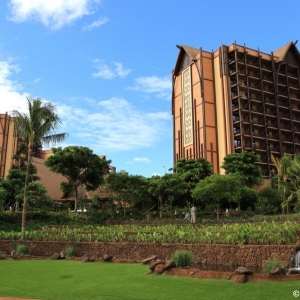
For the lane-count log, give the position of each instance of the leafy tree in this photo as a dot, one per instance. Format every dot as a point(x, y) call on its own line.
point(282, 166)
point(192, 171)
point(38, 199)
point(218, 189)
point(79, 166)
point(166, 188)
point(243, 163)
point(38, 125)
point(127, 188)
point(269, 200)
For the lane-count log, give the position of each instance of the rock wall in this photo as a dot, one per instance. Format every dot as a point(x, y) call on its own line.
point(245, 255)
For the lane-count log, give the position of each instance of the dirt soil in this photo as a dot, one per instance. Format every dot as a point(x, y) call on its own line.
point(196, 273)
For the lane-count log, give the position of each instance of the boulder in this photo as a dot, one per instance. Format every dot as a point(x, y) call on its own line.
point(169, 264)
point(240, 278)
point(153, 264)
point(159, 269)
point(107, 257)
point(62, 255)
point(14, 254)
point(147, 261)
point(292, 271)
point(55, 256)
point(277, 271)
point(242, 270)
point(85, 258)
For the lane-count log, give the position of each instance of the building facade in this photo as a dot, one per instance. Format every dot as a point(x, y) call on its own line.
point(236, 99)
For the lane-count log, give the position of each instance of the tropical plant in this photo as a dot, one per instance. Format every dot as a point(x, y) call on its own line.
point(269, 264)
point(182, 258)
point(70, 251)
point(38, 125)
point(22, 249)
point(282, 166)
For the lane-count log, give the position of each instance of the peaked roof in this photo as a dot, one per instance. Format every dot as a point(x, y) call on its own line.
point(282, 52)
point(186, 55)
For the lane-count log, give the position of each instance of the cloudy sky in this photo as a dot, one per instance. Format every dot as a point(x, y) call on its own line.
point(106, 64)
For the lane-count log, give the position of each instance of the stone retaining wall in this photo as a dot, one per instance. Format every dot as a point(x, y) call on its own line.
point(243, 255)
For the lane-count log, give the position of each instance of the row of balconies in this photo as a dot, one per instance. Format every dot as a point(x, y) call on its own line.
point(254, 63)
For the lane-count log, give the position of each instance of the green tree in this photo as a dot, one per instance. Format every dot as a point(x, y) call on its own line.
point(192, 171)
point(80, 166)
point(127, 188)
point(244, 164)
point(166, 188)
point(269, 200)
point(38, 125)
point(218, 189)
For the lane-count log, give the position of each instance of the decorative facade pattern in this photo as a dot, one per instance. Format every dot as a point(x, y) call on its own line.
point(187, 107)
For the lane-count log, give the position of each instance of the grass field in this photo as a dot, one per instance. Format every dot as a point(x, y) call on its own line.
point(48, 279)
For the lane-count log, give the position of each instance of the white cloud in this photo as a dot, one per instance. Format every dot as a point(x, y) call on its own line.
point(110, 72)
point(112, 125)
point(160, 86)
point(10, 91)
point(96, 24)
point(52, 13)
point(140, 160)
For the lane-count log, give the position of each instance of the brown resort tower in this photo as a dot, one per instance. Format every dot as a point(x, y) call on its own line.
point(236, 99)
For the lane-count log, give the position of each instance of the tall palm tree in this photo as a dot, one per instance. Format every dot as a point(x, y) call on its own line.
point(282, 165)
point(38, 125)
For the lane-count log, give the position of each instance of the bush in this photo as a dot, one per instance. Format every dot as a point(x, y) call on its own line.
point(182, 258)
point(22, 249)
point(270, 264)
point(70, 251)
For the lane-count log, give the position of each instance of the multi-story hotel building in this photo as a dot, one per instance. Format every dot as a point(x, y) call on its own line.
point(236, 99)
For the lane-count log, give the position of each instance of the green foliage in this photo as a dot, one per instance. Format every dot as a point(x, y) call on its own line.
point(127, 189)
point(182, 258)
point(70, 251)
point(243, 163)
point(269, 201)
point(166, 188)
point(191, 171)
point(217, 189)
point(270, 264)
point(79, 166)
point(22, 249)
point(36, 126)
point(263, 206)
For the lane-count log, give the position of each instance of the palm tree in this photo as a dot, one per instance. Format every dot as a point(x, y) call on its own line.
point(282, 165)
point(36, 126)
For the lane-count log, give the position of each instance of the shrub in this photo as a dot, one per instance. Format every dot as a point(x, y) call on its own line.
point(2, 256)
point(22, 249)
point(182, 258)
point(70, 251)
point(270, 264)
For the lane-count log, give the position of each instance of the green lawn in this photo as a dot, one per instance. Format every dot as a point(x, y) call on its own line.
point(49, 279)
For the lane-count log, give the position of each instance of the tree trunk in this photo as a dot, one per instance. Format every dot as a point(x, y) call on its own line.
point(24, 211)
point(218, 212)
point(76, 199)
point(160, 208)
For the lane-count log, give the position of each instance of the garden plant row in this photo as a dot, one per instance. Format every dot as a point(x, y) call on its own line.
point(263, 233)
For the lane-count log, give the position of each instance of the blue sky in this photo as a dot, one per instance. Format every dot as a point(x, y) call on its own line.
point(107, 65)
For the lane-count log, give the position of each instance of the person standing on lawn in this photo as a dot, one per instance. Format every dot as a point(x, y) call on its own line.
point(193, 215)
